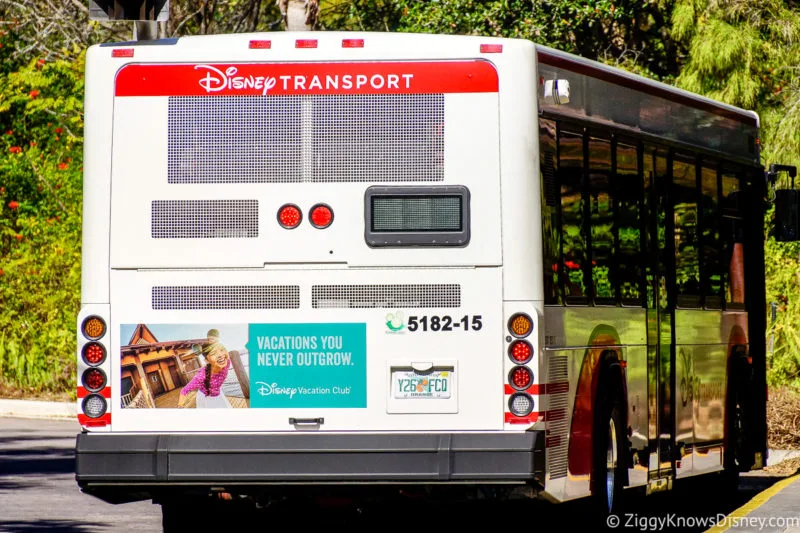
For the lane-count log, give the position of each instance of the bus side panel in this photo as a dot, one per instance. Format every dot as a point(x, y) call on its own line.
point(576, 338)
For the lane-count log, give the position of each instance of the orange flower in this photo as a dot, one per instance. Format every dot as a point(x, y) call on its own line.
point(59, 130)
point(18, 237)
point(13, 204)
point(40, 63)
point(34, 93)
point(15, 149)
point(9, 132)
point(63, 166)
point(33, 143)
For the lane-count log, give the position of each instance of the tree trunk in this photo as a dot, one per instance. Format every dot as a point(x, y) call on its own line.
point(299, 15)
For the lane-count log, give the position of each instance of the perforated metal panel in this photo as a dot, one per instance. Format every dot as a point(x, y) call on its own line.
point(388, 296)
point(204, 219)
point(323, 138)
point(226, 297)
point(557, 423)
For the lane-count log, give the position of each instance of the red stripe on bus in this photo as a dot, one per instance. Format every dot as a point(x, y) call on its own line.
point(278, 79)
point(83, 392)
point(545, 388)
point(529, 419)
point(104, 420)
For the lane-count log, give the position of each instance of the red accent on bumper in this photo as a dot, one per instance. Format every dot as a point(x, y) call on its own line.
point(104, 420)
point(545, 388)
point(530, 419)
point(105, 393)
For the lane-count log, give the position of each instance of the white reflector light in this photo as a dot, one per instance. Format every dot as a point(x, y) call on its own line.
point(520, 404)
point(94, 406)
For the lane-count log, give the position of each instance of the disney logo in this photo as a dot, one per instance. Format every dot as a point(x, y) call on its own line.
point(216, 80)
point(270, 389)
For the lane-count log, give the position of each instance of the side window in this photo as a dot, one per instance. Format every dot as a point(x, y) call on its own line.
point(551, 234)
point(601, 222)
point(732, 241)
point(570, 178)
point(710, 234)
point(685, 218)
point(628, 192)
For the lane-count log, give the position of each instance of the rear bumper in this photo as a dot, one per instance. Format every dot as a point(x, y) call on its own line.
point(117, 460)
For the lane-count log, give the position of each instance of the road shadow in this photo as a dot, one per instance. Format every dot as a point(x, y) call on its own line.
point(58, 526)
point(37, 461)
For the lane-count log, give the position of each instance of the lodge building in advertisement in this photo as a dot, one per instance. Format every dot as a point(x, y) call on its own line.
point(154, 371)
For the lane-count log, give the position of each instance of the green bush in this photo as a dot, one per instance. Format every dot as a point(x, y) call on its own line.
point(40, 222)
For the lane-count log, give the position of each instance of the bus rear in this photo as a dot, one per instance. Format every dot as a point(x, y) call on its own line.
point(293, 264)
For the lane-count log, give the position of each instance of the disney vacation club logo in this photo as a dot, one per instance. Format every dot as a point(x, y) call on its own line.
point(395, 322)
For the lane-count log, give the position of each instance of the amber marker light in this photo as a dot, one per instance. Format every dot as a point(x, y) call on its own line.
point(520, 325)
point(93, 327)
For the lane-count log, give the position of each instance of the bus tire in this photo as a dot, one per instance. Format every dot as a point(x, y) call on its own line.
point(193, 513)
point(609, 443)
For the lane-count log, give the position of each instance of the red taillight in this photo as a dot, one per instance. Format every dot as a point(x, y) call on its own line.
point(521, 377)
point(289, 216)
point(94, 353)
point(260, 45)
point(94, 379)
point(321, 216)
point(520, 352)
point(305, 43)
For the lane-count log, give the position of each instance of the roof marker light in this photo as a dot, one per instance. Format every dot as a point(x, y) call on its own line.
point(305, 43)
point(352, 43)
point(491, 48)
point(122, 52)
point(260, 45)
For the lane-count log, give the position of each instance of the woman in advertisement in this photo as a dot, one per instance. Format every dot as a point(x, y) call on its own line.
point(208, 381)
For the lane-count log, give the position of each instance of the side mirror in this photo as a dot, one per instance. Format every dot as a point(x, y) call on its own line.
point(787, 204)
point(787, 216)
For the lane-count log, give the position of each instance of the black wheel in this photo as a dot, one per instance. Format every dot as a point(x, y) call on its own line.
point(609, 469)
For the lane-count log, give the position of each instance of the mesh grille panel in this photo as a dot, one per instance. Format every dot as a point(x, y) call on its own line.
point(557, 423)
point(204, 219)
point(287, 139)
point(356, 296)
point(227, 297)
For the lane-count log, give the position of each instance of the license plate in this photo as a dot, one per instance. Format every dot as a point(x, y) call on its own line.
point(430, 385)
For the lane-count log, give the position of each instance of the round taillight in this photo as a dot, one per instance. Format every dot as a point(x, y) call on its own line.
point(93, 327)
point(94, 406)
point(520, 352)
point(321, 216)
point(520, 325)
point(520, 404)
point(94, 379)
point(289, 216)
point(94, 353)
point(520, 377)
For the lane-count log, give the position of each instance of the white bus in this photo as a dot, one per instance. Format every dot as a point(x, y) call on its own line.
point(401, 260)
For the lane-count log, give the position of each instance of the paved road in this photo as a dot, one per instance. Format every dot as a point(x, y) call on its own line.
point(38, 492)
